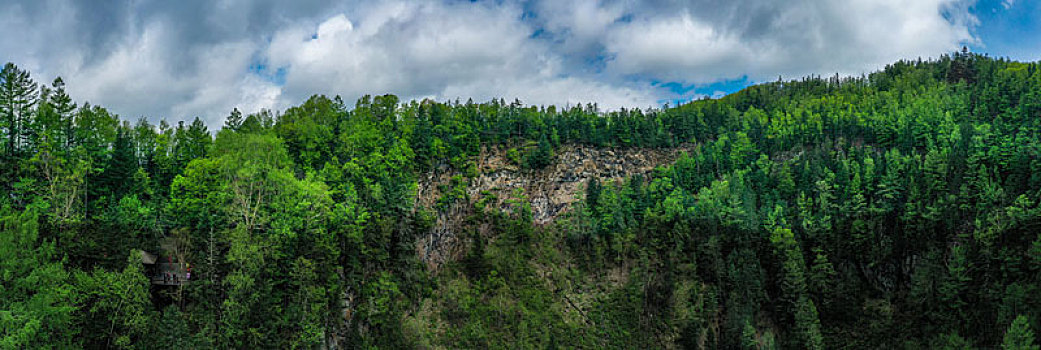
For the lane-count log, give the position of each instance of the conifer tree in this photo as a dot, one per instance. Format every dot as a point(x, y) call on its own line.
point(1019, 335)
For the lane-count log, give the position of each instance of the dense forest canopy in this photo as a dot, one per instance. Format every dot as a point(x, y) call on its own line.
point(898, 209)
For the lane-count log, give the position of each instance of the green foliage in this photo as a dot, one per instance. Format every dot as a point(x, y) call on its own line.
point(1019, 336)
point(120, 311)
point(896, 209)
point(37, 298)
point(951, 342)
point(542, 155)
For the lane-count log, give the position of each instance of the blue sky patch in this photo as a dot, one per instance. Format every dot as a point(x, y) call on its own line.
point(682, 93)
point(1009, 29)
point(275, 76)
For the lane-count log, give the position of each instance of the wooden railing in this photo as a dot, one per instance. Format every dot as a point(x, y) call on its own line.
point(170, 274)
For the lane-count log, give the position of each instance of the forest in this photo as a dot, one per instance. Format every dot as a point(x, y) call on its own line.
point(897, 209)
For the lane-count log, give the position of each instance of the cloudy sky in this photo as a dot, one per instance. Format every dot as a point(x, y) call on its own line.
point(187, 58)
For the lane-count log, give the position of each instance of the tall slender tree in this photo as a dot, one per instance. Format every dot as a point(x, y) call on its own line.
point(18, 95)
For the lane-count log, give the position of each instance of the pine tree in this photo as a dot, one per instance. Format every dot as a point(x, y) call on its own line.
point(18, 94)
point(543, 155)
point(593, 190)
point(807, 322)
point(192, 141)
point(1019, 336)
point(61, 109)
point(953, 288)
point(234, 121)
point(748, 336)
point(120, 167)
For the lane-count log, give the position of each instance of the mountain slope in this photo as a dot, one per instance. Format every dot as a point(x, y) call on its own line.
point(898, 209)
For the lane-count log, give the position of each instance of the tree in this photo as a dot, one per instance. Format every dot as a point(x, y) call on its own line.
point(962, 67)
point(593, 189)
point(542, 155)
point(234, 121)
point(748, 337)
point(37, 301)
point(18, 94)
point(63, 107)
point(173, 331)
point(255, 168)
point(309, 131)
point(914, 189)
point(95, 130)
point(120, 167)
point(55, 115)
point(192, 142)
point(807, 323)
point(276, 221)
point(63, 186)
point(954, 288)
point(1019, 335)
point(117, 310)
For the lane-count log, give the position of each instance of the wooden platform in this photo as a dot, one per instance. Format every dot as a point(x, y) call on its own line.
point(169, 274)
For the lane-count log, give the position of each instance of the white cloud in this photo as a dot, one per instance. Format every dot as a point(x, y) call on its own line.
point(443, 51)
point(798, 38)
point(679, 49)
point(137, 79)
point(579, 25)
point(194, 59)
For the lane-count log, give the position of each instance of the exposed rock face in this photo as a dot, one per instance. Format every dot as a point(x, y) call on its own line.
point(550, 190)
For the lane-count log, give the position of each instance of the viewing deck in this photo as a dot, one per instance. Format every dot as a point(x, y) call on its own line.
point(165, 273)
point(170, 274)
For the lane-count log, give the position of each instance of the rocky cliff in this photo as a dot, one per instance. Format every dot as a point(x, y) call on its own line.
point(551, 190)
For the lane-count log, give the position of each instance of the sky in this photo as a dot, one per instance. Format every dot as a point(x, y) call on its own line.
point(178, 60)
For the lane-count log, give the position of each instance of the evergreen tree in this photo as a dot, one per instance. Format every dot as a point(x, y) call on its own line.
point(18, 95)
point(542, 155)
point(115, 180)
point(234, 120)
point(1019, 335)
point(63, 108)
point(914, 189)
point(807, 322)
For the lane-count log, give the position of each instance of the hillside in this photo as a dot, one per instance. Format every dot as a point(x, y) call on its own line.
point(898, 209)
